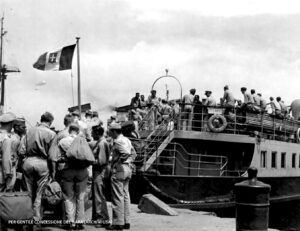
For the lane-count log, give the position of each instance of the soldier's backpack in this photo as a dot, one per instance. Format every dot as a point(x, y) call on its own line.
point(80, 154)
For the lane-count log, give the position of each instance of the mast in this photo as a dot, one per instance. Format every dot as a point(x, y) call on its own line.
point(78, 75)
point(2, 69)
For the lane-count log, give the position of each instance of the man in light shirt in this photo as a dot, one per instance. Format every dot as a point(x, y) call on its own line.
point(248, 99)
point(210, 101)
point(187, 104)
point(228, 99)
point(123, 155)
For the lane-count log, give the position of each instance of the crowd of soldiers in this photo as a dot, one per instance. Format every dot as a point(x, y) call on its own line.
point(154, 107)
point(253, 102)
point(37, 155)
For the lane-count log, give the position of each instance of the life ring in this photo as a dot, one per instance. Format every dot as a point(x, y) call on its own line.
point(298, 135)
point(217, 123)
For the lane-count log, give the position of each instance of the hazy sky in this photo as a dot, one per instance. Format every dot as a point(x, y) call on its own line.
point(126, 45)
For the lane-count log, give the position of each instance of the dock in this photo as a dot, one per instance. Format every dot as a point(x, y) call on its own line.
point(186, 220)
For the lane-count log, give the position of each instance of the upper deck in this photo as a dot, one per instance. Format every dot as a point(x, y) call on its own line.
point(211, 120)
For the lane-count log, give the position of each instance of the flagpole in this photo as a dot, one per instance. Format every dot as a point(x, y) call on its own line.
point(78, 75)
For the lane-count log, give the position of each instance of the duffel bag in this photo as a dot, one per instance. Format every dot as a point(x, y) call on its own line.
point(15, 206)
point(80, 151)
point(52, 193)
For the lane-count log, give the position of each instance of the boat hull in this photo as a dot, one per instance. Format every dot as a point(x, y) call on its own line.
point(219, 191)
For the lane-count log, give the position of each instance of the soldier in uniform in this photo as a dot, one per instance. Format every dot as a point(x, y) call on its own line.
point(123, 155)
point(8, 164)
point(35, 147)
point(19, 131)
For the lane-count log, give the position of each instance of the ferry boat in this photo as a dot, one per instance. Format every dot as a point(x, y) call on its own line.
point(195, 162)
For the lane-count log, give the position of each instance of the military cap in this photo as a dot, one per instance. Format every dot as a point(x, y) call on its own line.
point(19, 121)
point(243, 89)
point(115, 126)
point(7, 117)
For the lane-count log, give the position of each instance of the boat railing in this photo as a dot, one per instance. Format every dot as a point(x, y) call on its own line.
point(235, 121)
point(176, 160)
point(238, 121)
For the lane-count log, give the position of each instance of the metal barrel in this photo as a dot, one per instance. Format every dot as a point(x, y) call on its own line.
point(252, 203)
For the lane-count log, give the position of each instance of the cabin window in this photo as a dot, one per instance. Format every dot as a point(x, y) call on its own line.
point(283, 154)
point(263, 162)
point(294, 160)
point(274, 160)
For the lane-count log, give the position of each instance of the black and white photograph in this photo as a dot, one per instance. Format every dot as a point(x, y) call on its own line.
point(161, 115)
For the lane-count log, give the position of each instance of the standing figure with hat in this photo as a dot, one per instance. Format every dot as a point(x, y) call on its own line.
point(187, 106)
point(123, 155)
point(153, 104)
point(35, 147)
point(19, 131)
point(101, 152)
point(8, 163)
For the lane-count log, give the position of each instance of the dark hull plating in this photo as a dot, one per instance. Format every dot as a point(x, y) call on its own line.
point(172, 189)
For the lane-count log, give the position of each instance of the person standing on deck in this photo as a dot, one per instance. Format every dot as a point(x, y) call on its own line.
point(248, 99)
point(187, 112)
point(153, 102)
point(7, 167)
point(35, 147)
point(256, 101)
point(210, 101)
point(143, 101)
point(283, 107)
point(136, 101)
point(262, 102)
point(228, 100)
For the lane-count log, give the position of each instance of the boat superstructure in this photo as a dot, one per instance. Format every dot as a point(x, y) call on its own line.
point(198, 160)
